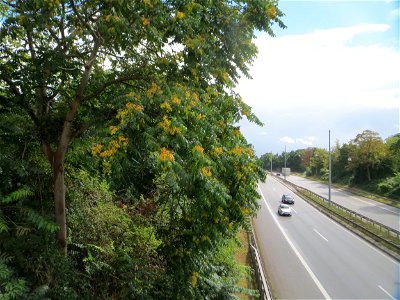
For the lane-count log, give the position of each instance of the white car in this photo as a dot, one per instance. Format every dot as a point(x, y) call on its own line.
point(284, 210)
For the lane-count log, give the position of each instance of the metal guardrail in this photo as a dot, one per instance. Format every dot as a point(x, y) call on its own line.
point(262, 282)
point(382, 227)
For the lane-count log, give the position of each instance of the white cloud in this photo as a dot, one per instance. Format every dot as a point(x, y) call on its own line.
point(304, 142)
point(322, 68)
point(287, 139)
point(263, 133)
point(395, 12)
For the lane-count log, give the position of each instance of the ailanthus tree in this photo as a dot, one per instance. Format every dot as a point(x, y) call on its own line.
point(67, 65)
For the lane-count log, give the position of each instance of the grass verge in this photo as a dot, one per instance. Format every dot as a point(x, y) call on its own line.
point(243, 258)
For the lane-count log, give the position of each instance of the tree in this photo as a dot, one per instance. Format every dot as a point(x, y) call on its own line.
point(319, 162)
point(266, 160)
point(294, 161)
point(67, 66)
point(306, 158)
point(393, 143)
point(366, 152)
point(340, 161)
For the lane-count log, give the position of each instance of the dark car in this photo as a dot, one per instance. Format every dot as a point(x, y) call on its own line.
point(287, 199)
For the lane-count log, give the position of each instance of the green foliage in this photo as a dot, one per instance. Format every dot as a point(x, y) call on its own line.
point(17, 195)
point(367, 162)
point(169, 178)
point(366, 151)
point(390, 187)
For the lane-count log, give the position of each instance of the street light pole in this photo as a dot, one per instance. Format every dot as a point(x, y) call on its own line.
point(284, 173)
point(330, 167)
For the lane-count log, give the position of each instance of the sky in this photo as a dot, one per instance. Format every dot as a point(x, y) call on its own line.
point(336, 67)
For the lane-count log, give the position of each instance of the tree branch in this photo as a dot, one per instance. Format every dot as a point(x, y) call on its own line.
point(100, 89)
point(20, 98)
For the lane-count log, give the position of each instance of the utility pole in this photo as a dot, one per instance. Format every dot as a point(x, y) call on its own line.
point(284, 174)
point(330, 167)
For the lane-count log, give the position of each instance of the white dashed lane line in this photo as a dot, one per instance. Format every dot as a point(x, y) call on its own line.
point(317, 232)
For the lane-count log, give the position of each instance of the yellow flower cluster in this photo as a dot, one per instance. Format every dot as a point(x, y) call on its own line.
point(245, 211)
point(145, 21)
point(271, 12)
point(180, 15)
point(122, 139)
point(166, 124)
point(154, 89)
point(114, 146)
point(199, 148)
point(239, 151)
point(199, 116)
point(218, 150)
point(112, 149)
point(237, 132)
point(96, 149)
point(166, 155)
point(206, 171)
point(195, 276)
point(113, 129)
point(176, 100)
point(129, 107)
point(133, 106)
point(165, 105)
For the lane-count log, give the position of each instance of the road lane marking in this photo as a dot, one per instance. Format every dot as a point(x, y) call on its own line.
point(348, 231)
point(321, 235)
point(294, 210)
point(310, 272)
point(372, 204)
point(386, 292)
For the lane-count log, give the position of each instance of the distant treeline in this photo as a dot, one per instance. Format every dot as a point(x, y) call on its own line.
point(367, 161)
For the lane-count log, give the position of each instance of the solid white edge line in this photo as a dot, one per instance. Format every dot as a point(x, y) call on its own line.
point(386, 292)
point(351, 233)
point(317, 232)
point(310, 272)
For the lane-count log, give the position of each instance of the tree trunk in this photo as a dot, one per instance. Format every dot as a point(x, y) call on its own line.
point(59, 201)
point(368, 174)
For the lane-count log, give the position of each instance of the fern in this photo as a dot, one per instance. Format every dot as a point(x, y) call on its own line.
point(13, 289)
point(17, 195)
point(3, 225)
point(5, 272)
point(39, 221)
point(5, 258)
point(21, 230)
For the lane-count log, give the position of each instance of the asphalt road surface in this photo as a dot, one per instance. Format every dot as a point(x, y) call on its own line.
point(309, 256)
point(385, 214)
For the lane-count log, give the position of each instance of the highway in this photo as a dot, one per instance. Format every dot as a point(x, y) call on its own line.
point(385, 214)
point(308, 256)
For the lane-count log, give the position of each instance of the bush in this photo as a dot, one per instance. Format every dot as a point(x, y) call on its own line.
point(390, 187)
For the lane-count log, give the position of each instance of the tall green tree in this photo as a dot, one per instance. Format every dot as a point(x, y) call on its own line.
point(66, 66)
point(393, 143)
point(366, 152)
point(319, 161)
